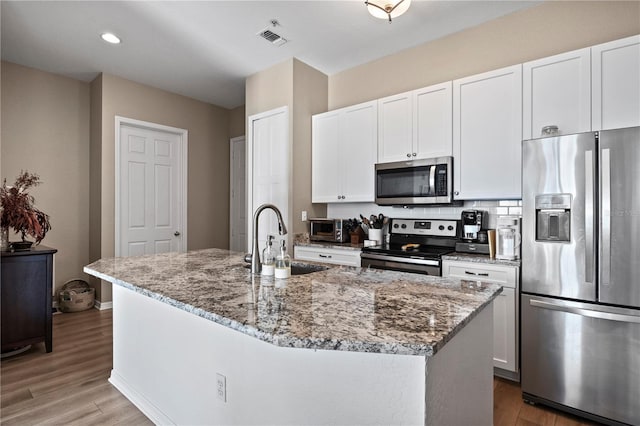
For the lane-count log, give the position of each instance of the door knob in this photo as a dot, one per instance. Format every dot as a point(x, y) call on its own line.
point(177, 233)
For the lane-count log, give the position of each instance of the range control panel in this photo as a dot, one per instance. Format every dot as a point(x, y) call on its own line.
point(428, 227)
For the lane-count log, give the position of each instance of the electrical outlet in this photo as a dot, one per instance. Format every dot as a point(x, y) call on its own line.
point(221, 387)
point(304, 215)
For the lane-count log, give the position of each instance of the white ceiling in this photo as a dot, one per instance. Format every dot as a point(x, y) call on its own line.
point(206, 49)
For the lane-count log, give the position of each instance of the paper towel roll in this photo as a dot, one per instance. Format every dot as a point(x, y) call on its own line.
point(491, 233)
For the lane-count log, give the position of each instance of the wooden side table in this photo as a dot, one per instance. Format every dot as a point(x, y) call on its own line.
point(25, 296)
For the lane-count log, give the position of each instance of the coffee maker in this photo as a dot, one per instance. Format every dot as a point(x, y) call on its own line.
point(474, 232)
point(473, 221)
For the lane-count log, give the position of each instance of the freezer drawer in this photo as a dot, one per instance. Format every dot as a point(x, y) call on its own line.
point(582, 356)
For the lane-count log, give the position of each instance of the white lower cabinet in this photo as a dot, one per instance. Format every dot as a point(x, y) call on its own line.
point(336, 256)
point(505, 309)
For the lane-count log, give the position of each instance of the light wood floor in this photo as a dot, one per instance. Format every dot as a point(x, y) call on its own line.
point(69, 385)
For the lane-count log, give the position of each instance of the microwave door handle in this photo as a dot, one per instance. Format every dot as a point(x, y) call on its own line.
point(432, 180)
point(606, 218)
point(588, 216)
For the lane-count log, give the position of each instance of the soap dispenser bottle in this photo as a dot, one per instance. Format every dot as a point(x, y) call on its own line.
point(283, 263)
point(268, 258)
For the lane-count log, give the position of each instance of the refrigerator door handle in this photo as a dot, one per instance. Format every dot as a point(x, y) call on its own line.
point(605, 217)
point(588, 216)
point(559, 306)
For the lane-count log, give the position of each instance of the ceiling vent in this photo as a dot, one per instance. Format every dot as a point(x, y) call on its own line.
point(270, 35)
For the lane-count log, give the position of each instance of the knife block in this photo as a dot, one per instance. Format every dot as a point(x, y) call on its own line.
point(357, 236)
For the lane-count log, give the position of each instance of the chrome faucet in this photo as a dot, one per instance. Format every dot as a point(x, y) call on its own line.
point(256, 266)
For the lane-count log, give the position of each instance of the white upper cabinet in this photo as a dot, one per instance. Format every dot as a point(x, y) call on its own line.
point(324, 157)
point(487, 135)
point(616, 84)
point(415, 125)
point(344, 153)
point(395, 128)
point(557, 91)
point(433, 121)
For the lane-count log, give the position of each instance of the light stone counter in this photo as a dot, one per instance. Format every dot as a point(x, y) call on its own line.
point(198, 340)
point(341, 308)
point(322, 244)
point(479, 258)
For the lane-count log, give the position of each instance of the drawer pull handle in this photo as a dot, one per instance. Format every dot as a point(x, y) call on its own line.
point(481, 274)
point(326, 256)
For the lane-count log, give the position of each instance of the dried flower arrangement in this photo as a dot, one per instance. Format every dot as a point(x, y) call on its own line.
point(18, 210)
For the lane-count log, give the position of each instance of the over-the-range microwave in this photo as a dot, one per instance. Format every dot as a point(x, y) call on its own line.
point(415, 182)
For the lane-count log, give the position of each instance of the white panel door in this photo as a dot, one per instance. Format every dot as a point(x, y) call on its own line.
point(150, 192)
point(432, 121)
point(238, 193)
point(616, 84)
point(487, 135)
point(269, 164)
point(557, 91)
point(395, 129)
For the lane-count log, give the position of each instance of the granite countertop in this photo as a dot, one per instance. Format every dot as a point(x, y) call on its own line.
point(479, 258)
point(340, 308)
point(340, 246)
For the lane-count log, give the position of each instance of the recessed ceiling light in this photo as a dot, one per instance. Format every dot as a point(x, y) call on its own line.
point(110, 38)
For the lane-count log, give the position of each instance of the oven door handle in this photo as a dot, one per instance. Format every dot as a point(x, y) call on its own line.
point(412, 260)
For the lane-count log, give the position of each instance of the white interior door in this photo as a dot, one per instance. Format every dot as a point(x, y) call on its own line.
point(238, 193)
point(150, 189)
point(268, 167)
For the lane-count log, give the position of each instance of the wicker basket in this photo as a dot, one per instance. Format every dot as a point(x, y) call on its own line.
point(75, 296)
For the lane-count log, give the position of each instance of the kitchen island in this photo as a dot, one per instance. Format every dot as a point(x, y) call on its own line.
point(198, 339)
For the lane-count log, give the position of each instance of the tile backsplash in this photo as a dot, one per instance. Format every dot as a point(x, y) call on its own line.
point(495, 208)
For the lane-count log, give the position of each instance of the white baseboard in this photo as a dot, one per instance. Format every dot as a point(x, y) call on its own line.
point(137, 399)
point(102, 306)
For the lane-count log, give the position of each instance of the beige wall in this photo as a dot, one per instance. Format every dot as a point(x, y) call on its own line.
point(45, 130)
point(208, 158)
point(309, 97)
point(303, 90)
point(269, 89)
point(550, 28)
point(237, 122)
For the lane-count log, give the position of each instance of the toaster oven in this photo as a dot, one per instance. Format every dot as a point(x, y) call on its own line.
point(328, 230)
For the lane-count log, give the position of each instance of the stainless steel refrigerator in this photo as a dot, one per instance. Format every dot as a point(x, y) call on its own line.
point(580, 301)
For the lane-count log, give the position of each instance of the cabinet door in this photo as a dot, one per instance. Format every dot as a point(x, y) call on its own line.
point(324, 157)
point(487, 135)
point(616, 84)
point(557, 91)
point(505, 307)
point(432, 121)
point(395, 128)
point(357, 152)
point(504, 330)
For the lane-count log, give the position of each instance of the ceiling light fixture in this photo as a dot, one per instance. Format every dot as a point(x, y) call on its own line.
point(387, 9)
point(110, 38)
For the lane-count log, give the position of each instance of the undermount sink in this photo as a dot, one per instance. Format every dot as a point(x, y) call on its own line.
point(299, 268)
point(305, 268)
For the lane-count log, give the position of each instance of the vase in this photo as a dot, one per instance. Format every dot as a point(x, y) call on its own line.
point(4, 239)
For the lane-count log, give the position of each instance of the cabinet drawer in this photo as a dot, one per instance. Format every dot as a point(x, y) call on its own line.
point(328, 255)
point(507, 276)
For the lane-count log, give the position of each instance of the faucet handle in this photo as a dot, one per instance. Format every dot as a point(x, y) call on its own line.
point(248, 257)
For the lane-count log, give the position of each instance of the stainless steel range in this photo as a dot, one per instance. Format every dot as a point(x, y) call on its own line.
point(415, 245)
